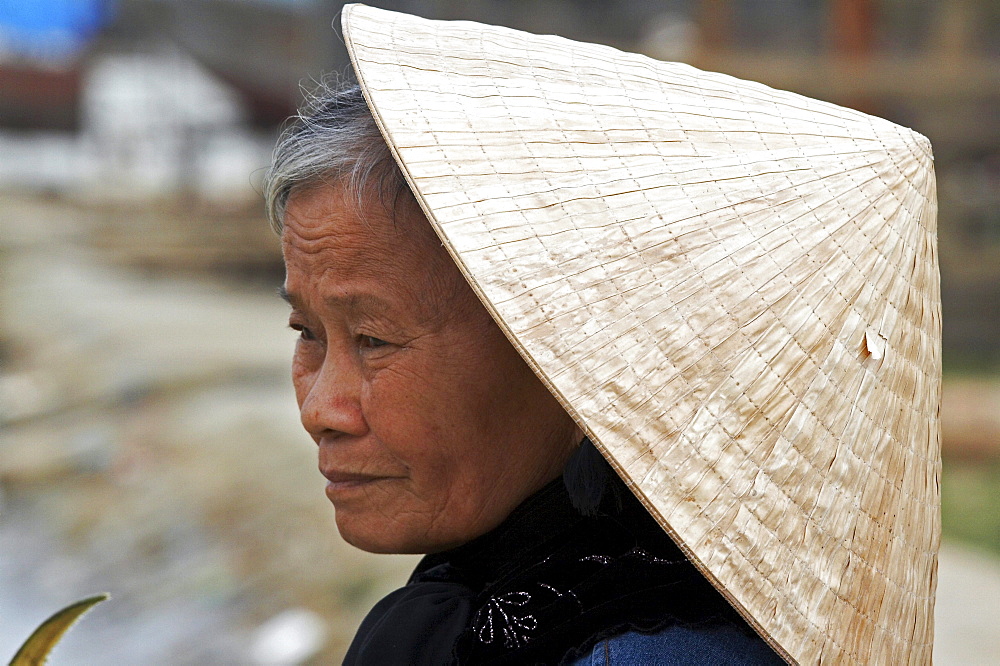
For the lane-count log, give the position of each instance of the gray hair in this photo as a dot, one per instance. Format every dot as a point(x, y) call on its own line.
point(333, 139)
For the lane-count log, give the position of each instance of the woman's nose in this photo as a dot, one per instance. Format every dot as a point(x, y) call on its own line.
point(329, 400)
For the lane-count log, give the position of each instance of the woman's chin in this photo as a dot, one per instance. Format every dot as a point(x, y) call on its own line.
point(373, 535)
point(371, 532)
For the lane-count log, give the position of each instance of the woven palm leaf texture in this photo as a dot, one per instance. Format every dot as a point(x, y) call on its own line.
point(733, 289)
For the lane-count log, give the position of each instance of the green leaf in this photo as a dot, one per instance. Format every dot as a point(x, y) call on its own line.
point(36, 649)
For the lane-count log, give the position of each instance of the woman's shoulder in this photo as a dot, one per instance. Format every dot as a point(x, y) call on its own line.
point(682, 645)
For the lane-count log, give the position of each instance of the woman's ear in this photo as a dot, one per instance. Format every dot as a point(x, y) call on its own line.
point(586, 476)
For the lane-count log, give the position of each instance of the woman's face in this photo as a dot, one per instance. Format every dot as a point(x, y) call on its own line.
point(430, 426)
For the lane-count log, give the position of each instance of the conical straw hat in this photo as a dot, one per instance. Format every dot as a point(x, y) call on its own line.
point(734, 290)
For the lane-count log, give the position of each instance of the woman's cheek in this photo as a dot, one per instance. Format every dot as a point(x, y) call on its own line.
point(306, 364)
point(301, 381)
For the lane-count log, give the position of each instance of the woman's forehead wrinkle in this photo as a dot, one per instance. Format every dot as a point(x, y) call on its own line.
point(307, 225)
point(373, 264)
point(335, 250)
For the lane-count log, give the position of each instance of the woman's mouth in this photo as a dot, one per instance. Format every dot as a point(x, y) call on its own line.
point(341, 483)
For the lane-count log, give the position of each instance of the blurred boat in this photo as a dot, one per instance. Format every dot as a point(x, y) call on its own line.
point(269, 50)
point(265, 49)
point(33, 97)
point(42, 45)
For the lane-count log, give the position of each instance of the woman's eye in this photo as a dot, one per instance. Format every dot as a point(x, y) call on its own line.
point(372, 342)
point(304, 333)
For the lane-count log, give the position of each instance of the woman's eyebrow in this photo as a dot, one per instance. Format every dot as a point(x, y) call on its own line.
point(353, 302)
point(286, 297)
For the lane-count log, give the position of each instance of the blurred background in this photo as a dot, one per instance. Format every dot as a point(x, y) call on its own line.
point(149, 443)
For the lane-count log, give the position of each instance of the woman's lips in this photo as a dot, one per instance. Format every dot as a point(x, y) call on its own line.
point(339, 483)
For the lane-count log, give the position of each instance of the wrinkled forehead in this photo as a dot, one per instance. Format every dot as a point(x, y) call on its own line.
point(334, 214)
point(329, 237)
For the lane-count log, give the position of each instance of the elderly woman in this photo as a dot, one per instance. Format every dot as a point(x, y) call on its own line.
point(643, 358)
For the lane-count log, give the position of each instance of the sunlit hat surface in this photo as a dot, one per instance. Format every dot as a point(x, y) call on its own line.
point(733, 289)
